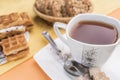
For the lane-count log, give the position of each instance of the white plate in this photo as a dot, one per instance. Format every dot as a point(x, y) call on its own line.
point(51, 65)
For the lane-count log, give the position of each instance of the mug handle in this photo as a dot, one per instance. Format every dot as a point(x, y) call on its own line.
point(58, 25)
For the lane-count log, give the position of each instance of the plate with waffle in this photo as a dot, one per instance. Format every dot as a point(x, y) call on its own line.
point(14, 36)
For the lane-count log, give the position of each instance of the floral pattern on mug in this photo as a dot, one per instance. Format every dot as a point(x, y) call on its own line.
point(89, 57)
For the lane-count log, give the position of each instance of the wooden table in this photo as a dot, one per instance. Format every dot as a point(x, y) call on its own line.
point(27, 68)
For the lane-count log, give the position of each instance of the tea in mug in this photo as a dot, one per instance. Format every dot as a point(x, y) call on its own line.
point(94, 32)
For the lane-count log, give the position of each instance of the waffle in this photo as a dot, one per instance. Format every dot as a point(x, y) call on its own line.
point(94, 74)
point(14, 45)
point(26, 21)
point(14, 19)
point(97, 74)
point(14, 23)
point(19, 55)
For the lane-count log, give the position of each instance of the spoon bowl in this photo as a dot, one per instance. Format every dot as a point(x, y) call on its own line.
point(74, 68)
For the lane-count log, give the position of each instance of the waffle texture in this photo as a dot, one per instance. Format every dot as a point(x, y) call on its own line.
point(14, 47)
point(14, 23)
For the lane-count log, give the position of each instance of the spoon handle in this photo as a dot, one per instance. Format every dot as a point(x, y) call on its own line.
point(50, 40)
point(62, 56)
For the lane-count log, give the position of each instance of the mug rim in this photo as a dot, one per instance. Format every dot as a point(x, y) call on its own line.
point(89, 44)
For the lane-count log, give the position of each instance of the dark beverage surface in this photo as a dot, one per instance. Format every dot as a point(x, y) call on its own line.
point(94, 32)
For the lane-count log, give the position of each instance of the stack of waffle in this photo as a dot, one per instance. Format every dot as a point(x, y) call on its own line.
point(13, 44)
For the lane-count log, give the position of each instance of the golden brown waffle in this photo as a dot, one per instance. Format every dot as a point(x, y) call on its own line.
point(14, 44)
point(15, 19)
point(97, 74)
point(14, 23)
point(19, 55)
point(26, 21)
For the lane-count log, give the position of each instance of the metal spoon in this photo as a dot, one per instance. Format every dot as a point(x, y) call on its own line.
point(71, 66)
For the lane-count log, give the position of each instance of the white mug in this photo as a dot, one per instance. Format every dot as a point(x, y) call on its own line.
point(91, 55)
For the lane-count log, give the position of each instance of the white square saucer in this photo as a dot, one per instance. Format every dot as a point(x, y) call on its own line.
point(52, 66)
